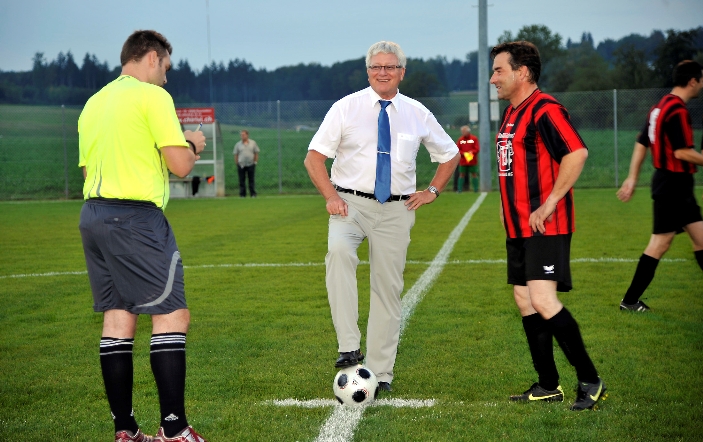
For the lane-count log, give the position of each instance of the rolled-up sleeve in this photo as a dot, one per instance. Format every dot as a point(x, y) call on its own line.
point(440, 145)
point(328, 136)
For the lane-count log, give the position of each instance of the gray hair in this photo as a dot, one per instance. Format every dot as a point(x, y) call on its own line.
point(386, 47)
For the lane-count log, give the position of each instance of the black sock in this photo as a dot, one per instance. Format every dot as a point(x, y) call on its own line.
point(118, 376)
point(566, 331)
point(699, 258)
point(643, 276)
point(539, 338)
point(168, 362)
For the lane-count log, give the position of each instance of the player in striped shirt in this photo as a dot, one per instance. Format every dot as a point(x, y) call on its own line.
point(540, 157)
point(668, 133)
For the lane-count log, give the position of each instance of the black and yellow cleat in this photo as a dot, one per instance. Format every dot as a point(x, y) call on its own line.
point(537, 393)
point(588, 395)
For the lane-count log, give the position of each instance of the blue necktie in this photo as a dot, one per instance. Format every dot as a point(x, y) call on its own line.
point(382, 190)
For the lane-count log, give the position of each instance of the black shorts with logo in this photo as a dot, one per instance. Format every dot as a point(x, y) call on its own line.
point(132, 257)
point(540, 258)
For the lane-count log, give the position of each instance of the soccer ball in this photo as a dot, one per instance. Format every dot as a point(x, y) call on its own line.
point(355, 386)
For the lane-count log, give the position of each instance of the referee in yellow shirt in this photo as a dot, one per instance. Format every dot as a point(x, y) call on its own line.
point(129, 139)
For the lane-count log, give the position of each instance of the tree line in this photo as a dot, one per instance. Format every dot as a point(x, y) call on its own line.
point(632, 62)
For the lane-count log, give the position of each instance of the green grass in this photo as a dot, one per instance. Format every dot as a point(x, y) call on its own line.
point(32, 162)
point(261, 333)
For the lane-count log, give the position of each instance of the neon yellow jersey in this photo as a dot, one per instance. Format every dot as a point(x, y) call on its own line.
point(121, 129)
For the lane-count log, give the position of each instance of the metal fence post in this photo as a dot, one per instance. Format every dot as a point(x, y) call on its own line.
point(484, 123)
point(280, 159)
point(65, 154)
point(615, 135)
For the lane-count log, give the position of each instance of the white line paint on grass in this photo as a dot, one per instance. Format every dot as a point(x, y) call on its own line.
point(405, 403)
point(320, 264)
point(312, 403)
point(418, 290)
point(320, 403)
point(37, 275)
point(340, 426)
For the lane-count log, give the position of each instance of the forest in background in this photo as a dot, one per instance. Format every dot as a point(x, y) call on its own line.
point(632, 62)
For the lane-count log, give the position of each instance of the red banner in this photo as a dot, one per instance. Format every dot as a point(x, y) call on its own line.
point(196, 115)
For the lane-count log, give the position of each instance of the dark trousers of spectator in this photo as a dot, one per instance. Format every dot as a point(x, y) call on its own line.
point(246, 172)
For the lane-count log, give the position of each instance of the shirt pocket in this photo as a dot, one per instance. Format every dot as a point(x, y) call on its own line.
point(406, 148)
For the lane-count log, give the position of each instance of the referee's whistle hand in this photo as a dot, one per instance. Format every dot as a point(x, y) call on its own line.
point(197, 138)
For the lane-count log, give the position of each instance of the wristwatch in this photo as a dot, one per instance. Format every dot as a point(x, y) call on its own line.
point(434, 190)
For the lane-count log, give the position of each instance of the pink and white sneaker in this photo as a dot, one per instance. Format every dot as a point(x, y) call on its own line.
point(123, 436)
point(187, 435)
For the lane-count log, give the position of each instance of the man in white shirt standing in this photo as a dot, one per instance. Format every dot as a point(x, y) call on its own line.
point(246, 155)
point(374, 136)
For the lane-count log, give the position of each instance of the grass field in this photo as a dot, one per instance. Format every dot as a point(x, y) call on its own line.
point(32, 156)
point(262, 332)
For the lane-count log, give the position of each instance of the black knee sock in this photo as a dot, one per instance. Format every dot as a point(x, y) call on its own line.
point(168, 363)
point(539, 338)
point(699, 258)
point(118, 376)
point(643, 276)
point(566, 331)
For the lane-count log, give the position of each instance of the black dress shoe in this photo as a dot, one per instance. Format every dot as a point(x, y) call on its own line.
point(384, 386)
point(349, 359)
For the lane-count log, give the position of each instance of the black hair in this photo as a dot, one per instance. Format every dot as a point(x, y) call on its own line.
point(522, 53)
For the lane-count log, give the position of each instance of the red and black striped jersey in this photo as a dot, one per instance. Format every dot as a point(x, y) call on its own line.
point(532, 140)
point(668, 128)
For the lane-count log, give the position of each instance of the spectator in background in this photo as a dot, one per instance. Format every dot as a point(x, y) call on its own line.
point(246, 155)
point(468, 160)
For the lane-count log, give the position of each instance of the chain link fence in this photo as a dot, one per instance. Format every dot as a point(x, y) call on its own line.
point(39, 144)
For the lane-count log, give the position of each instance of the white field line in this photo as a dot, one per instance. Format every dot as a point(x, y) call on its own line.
point(320, 264)
point(340, 426)
point(319, 403)
point(418, 290)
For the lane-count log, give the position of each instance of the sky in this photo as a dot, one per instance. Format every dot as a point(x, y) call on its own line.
point(273, 33)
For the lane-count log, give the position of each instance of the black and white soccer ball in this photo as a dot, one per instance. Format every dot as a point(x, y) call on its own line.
point(355, 385)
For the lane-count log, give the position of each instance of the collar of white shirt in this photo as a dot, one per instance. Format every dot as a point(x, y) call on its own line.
point(374, 98)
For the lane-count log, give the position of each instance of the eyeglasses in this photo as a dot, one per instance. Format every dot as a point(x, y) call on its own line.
point(387, 68)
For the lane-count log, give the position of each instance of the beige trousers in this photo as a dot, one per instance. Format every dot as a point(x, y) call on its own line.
point(387, 227)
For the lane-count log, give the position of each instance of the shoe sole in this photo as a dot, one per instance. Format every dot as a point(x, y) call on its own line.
point(624, 309)
point(348, 363)
point(634, 310)
point(549, 399)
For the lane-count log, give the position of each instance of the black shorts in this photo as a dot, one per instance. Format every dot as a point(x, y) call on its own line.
point(540, 258)
point(673, 214)
point(132, 257)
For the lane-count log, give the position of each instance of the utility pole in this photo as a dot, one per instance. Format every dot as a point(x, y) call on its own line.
point(484, 125)
point(209, 58)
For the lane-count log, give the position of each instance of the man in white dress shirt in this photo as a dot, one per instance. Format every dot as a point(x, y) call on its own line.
point(374, 136)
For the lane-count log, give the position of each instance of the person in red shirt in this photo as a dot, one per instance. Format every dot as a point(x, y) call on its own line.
point(540, 156)
point(468, 158)
point(668, 133)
